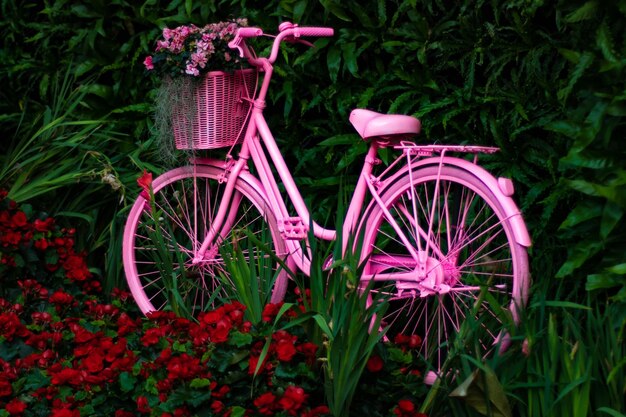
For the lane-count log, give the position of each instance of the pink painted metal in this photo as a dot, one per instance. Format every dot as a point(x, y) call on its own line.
point(371, 124)
point(438, 230)
point(214, 114)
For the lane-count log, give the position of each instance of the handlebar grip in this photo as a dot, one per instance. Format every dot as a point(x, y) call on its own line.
point(316, 31)
point(249, 32)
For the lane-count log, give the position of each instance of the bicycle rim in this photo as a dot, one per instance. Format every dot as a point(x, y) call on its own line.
point(158, 260)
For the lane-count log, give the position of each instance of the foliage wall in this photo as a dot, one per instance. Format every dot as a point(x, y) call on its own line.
point(543, 80)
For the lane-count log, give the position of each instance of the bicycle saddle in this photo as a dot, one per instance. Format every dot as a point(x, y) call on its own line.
point(371, 124)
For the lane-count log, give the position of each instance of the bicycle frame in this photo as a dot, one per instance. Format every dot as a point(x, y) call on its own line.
point(260, 145)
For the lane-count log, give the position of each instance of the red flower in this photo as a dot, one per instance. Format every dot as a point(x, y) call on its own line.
point(94, 363)
point(308, 349)
point(67, 376)
point(15, 407)
point(44, 225)
point(406, 408)
point(5, 388)
point(292, 400)
point(412, 341)
point(183, 367)
point(145, 181)
point(82, 335)
point(253, 363)
point(11, 326)
point(219, 334)
point(61, 298)
point(76, 268)
point(217, 407)
point(65, 412)
point(285, 350)
point(151, 336)
point(266, 404)
point(316, 412)
point(270, 311)
point(122, 413)
point(19, 219)
point(41, 244)
point(375, 364)
point(142, 405)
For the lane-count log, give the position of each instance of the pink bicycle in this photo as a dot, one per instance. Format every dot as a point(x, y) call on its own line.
point(440, 235)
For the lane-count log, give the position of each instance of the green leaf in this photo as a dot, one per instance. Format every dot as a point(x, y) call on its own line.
point(602, 281)
point(35, 380)
point(560, 304)
point(585, 62)
point(619, 269)
point(349, 58)
point(585, 12)
point(200, 383)
point(611, 217)
point(348, 139)
point(611, 412)
point(237, 411)
point(584, 211)
point(400, 356)
point(483, 392)
point(604, 40)
point(333, 61)
point(335, 9)
point(127, 381)
point(239, 339)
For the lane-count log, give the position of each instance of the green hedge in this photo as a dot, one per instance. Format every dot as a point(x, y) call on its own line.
point(543, 80)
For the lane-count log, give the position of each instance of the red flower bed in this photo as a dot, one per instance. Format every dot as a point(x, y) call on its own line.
point(65, 351)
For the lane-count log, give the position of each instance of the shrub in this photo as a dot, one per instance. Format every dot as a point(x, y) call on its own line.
point(64, 352)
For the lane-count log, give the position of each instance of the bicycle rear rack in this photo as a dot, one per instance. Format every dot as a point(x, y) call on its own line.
point(412, 148)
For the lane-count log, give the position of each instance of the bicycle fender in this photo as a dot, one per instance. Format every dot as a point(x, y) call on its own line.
point(520, 231)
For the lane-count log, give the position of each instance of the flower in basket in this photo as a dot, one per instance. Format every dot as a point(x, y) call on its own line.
point(193, 51)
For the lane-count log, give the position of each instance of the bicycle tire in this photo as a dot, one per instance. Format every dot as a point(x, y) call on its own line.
point(186, 199)
point(472, 251)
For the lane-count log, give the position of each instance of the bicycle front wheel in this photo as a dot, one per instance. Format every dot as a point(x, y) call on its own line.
point(446, 258)
point(162, 238)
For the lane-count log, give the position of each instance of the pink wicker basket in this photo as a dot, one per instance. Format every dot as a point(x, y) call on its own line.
point(215, 113)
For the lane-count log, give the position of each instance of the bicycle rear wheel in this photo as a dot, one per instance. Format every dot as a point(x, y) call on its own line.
point(158, 260)
point(475, 275)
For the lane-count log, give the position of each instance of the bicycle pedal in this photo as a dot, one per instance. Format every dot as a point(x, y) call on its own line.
point(293, 228)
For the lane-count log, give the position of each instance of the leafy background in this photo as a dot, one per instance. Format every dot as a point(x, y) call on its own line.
point(543, 80)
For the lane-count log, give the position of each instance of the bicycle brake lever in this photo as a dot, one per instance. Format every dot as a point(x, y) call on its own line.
point(235, 44)
point(293, 39)
point(307, 43)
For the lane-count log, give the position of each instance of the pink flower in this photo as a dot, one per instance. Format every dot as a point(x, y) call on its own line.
point(148, 63)
point(162, 45)
point(192, 70)
point(199, 59)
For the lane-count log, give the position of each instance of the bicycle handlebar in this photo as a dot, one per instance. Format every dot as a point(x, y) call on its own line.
point(287, 31)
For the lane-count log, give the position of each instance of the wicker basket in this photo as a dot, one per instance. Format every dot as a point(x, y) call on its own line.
point(214, 114)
